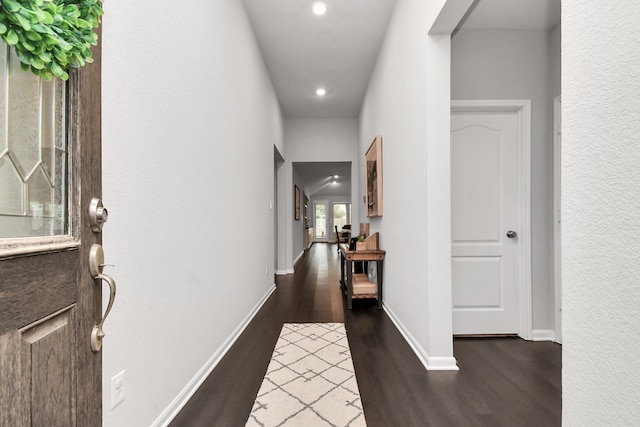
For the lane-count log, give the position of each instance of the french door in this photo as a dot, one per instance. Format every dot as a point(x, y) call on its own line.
point(321, 220)
point(341, 214)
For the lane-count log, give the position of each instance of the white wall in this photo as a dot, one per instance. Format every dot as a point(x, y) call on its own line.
point(188, 183)
point(509, 64)
point(316, 140)
point(601, 213)
point(298, 230)
point(407, 102)
point(284, 230)
point(554, 41)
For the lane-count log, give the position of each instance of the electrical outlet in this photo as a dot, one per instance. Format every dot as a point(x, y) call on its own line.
point(117, 389)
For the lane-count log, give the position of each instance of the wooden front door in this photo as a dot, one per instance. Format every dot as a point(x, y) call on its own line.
point(50, 169)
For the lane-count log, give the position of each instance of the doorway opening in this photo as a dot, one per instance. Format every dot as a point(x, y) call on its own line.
point(491, 223)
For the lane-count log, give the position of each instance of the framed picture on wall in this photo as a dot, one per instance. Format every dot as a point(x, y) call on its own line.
point(296, 198)
point(373, 161)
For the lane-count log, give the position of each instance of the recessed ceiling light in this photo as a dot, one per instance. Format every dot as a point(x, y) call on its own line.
point(335, 176)
point(321, 92)
point(319, 8)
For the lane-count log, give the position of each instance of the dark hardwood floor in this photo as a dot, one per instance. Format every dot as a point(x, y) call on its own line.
point(501, 382)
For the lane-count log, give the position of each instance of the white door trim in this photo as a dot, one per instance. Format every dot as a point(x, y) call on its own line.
point(522, 107)
point(557, 214)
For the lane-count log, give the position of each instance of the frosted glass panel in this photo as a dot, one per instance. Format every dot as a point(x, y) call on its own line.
point(33, 152)
point(11, 188)
point(24, 109)
point(48, 121)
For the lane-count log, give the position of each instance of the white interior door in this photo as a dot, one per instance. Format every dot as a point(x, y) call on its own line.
point(486, 223)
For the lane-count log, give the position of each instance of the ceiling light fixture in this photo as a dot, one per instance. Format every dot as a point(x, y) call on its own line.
point(319, 8)
point(335, 176)
point(321, 92)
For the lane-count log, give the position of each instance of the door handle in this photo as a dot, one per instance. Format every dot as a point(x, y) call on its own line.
point(97, 334)
point(96, 265)
point(512, 234)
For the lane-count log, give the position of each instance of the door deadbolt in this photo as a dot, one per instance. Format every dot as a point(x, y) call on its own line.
point(98, 215)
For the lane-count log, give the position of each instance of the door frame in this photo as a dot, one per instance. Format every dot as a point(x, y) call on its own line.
point(522, 108)
point(557, 215)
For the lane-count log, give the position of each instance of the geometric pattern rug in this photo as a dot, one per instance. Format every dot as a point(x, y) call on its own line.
point(310, 380)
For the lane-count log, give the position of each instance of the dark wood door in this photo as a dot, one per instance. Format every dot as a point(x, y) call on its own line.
point(49, 301)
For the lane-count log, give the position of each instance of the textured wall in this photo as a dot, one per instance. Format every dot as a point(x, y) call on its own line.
point(601, 212)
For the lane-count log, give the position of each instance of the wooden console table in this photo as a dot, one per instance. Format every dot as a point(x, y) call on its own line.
point(358, 285)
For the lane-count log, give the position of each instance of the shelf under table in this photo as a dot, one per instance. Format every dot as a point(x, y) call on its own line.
point(363, 287)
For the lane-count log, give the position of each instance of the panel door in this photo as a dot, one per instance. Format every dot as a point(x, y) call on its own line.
point(484, 187)
point(50, 157)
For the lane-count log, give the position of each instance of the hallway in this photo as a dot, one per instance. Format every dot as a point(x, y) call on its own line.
point(501, 382)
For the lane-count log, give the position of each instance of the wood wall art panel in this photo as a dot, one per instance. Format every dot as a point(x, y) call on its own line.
point(373, 161)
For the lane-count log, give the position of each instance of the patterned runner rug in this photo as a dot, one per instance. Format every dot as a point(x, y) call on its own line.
point(310, 380)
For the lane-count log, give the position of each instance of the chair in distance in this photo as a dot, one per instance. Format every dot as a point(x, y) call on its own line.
point(341, 237)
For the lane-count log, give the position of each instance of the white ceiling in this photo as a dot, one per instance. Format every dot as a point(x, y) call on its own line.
point(513, 15)
point(319, 178)
point(338, 50)
point(304, 51)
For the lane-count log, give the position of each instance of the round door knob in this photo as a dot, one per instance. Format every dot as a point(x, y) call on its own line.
point(512, 234)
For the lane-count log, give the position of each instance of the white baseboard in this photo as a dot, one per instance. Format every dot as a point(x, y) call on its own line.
point(183, 397)
point(281, 272)
point(298, 257)
point(431, 363)
point(543, 335)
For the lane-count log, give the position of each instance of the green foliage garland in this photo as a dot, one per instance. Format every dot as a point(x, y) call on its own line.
point(50, 36)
